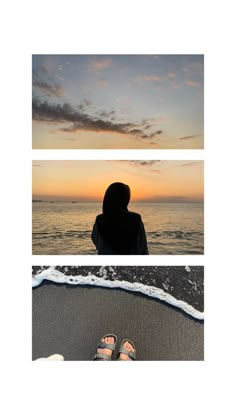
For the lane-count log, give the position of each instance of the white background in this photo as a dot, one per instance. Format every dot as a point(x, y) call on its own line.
point(145, 389)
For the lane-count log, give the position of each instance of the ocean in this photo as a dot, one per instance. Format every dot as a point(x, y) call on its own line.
point(64, 228)
point(182, 287)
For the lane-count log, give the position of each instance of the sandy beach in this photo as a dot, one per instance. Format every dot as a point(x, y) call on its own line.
point(71, 320)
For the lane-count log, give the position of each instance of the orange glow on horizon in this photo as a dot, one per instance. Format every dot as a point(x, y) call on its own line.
point(88, 180)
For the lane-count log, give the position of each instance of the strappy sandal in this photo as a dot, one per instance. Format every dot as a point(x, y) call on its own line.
point(131, 355)
point(103, 345)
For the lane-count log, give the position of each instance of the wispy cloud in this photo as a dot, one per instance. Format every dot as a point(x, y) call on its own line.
point(37, 165)
point(189, 137)
point(192, 163)
point(137, 163)
point(49, 89)
point(100, 64)
point(192, 83)
point(106, 114)
point(58, 113)
point(156, 171)
point(155, 77)
point(148, 78)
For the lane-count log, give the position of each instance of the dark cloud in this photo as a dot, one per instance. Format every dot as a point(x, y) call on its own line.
point(139, 163)
point(188, 137)
point(50, 89)
point(107, 114)
point(86, 103)
point(145, 162)
point(57, 113)
point(151, 135)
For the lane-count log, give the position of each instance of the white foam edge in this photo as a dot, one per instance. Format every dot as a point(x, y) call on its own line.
point(51, 274)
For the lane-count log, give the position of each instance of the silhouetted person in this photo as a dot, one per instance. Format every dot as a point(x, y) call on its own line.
point(118, 231)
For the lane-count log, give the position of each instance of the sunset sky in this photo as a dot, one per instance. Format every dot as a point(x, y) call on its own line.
point(118, 101)
point(149, 180)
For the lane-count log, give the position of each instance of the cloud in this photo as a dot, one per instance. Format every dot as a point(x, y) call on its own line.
point(156, 171)
point(155, 77)
point(107, 114)
point(189, 137)
point(153, 143)
point(192, 83)
point(192, 163)
point(100, 64)
point(79, 120)
point(138, 163)
point(50, 89)
point(86, 103)
point(37, 165)
point(144, 162)
point(148, 78)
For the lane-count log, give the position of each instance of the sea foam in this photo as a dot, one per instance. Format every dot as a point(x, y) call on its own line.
point(51, 274)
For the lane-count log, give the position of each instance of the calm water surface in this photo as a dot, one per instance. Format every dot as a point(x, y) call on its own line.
point(64, 228)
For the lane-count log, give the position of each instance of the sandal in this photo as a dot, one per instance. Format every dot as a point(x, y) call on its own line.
point(100, 356)
point(131, 355)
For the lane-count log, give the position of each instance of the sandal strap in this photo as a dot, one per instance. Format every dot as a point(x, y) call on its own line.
point(102, 356)
point(130, 354)
point(105, 345)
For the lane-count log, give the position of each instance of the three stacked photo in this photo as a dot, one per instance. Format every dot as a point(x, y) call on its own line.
point(120, 217)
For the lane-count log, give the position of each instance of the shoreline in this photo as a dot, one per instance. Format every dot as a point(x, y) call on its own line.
point(71, 322)
point(162, 283)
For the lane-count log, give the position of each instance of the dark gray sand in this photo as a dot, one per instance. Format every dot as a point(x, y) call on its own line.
point(71, 320)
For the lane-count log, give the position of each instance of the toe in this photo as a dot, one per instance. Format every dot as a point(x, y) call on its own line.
point(126, 344)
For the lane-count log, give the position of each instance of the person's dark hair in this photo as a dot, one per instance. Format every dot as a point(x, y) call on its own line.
point(116, 199)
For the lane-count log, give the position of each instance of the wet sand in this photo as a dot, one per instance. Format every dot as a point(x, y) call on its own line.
point(71, 320)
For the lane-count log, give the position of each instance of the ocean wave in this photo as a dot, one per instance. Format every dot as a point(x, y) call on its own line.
point(51, 274)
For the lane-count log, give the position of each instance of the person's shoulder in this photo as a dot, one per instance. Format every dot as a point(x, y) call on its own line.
point(99, 218)
point(135, 216)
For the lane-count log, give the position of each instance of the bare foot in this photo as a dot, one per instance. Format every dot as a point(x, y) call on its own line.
point(106, 351)
point(127, 345)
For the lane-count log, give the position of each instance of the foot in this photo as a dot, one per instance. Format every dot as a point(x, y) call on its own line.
point(106, 351)
point(127, 345)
